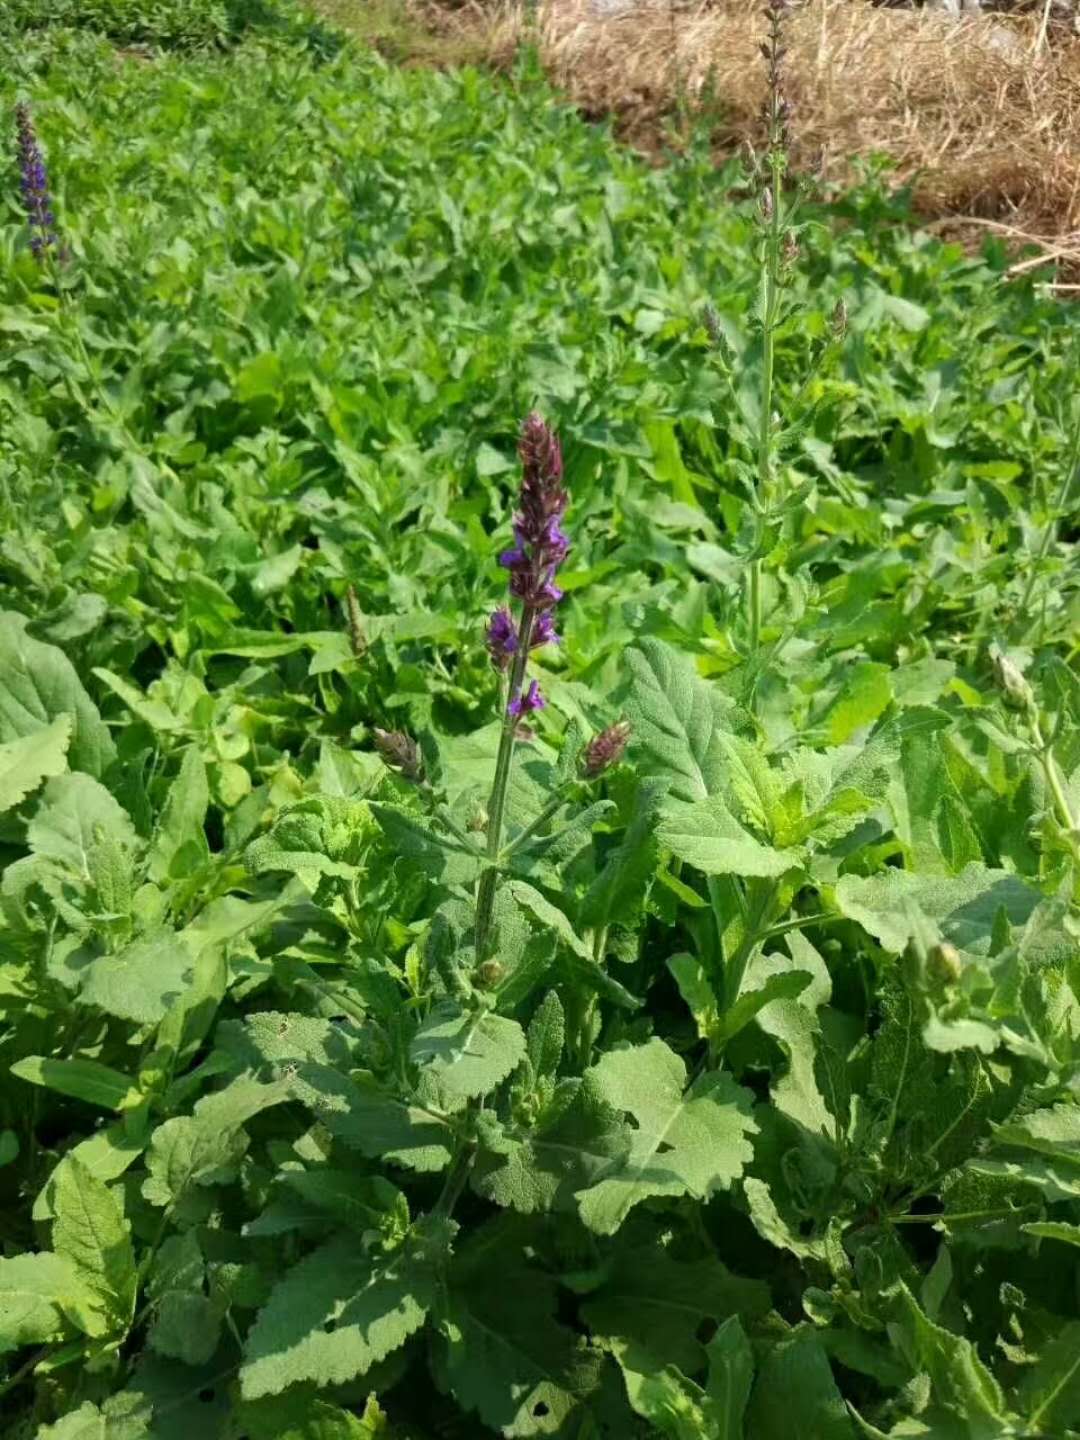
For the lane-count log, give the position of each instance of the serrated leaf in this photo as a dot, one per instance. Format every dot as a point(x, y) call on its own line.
point(543, 1168)
point(687, 1141)
point(35, 1292)
point(126, 1416)
point(38, 683)
point(503, 1352)
point(75, 812)
point(89, 1231)
point(28, 760)
point(362, 1114)
point(962, 906)
point(467, 1054)
point(678, 721)
point(959, 1379)
point(141, 981)
point(334, 1315)
point(707, 836)
point(203, 1148)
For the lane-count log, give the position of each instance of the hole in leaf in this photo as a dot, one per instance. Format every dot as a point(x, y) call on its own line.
point(539, 1410)
point(206, 1395)
point(806, 1227)
point(706, 1329)
point(330, 1326)
point(664, 1147)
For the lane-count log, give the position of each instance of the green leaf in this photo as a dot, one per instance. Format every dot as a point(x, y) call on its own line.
point(620, 889)
point(89, 1231)
point(75, 812)
point(360, 1112)
point(467, 1054)
point(33, 757)
point(179, 840)
point(686, 1142)
point(35, 1292)
point(707, 836)
point(795, 1396)
point(963, 906)
point(142, 980)
point(579, 1139)
point(87, 1080)
point(959, 1379)
point(546, 1035)
point(38, 684)
point(204, 1148)
point(337, 1313)
point(120, 1417)
point(678, 721)
point(662, 1305)
point(1054, 1230)
point(501, 1349)
point(731, 1374)
point(1049, 1394)
point(579, 959)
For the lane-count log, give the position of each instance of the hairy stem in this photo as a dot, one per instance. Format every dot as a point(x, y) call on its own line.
point(485, 892)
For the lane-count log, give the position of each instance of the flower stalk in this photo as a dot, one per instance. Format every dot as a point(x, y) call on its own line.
point(540, 546)
point(777, 113)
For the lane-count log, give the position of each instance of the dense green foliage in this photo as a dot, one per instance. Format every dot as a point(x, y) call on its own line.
point(762, 1117)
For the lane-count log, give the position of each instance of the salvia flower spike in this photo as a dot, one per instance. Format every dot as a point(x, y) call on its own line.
point(540, 546)
point(605, 749)
point(34, 183)
point(401, 753)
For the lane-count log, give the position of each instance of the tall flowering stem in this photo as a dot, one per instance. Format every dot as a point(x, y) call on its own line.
point(539, 548)
point(777, 114)
point(34, 183)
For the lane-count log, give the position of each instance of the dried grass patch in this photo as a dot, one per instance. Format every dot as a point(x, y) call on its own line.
point(986, 132)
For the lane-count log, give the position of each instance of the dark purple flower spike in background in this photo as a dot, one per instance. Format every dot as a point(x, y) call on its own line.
point(34, 183)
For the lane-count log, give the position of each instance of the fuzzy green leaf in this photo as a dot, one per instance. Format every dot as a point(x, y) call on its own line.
point(31, 758)
point(687, 1141)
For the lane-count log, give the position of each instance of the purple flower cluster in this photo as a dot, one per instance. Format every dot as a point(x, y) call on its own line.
point(34, 183)
point(540, 546)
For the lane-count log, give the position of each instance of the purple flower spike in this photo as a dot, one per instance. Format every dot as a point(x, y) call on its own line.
point(34, 184)
point(502, 639)
point(531, 700)
point(543, 632)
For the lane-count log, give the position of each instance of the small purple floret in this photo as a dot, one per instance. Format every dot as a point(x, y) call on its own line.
point(543, 632)
point(531, 700)
point(502, 640)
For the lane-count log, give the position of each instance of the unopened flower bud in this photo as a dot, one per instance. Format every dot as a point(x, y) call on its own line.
point(840, 319)
point(606, 749)
point(767, 202)
point(944, 963)
point(489, 974)
point(401, 753)
point(1012, 682)
point(478, 821)
point(791, 249)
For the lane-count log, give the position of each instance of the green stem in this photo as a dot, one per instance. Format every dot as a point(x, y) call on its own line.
point(1062, 804)
point(764, 496)
point(1072, 464)
point(23, 1371)
point(485, 891)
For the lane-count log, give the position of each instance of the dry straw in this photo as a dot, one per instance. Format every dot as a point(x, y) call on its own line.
point(986, 130)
